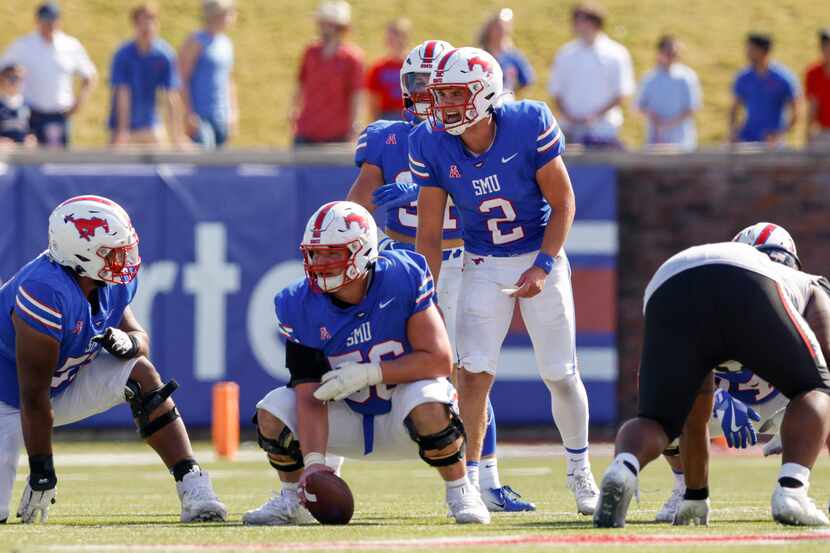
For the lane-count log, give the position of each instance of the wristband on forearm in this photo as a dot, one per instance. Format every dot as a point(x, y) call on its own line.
point(42, 472)
point(544, 262)
point(696, 494)
point(314, 458)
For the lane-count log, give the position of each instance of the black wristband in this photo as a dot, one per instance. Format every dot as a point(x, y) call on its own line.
point(696, 495)
point(42, 472)
point(136, 346)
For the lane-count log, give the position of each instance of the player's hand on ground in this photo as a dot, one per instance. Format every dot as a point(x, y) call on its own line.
point(736, 420)
point(692, 511)
point(530, 283)
point(347, 379)
point(118, 343)
point(397, 194)
point(307, 472)
point(40, 491)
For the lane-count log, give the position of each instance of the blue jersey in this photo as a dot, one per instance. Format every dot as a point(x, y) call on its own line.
point(46, 296)
point(384, 145)
point(372, 331)
point(503, 212)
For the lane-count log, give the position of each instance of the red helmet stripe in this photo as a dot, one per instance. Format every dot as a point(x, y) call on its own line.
point(443, 63)
point(321, 216)
point(429, 51)
point(764, 235)
point(98, 199)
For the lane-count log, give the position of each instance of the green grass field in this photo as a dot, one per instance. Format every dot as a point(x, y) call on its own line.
point(127, 502)
point(270, 35)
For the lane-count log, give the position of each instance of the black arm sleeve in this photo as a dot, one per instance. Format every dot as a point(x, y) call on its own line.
point(305, 364)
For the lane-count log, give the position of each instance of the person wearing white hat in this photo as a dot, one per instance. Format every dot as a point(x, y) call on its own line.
point(330, 81)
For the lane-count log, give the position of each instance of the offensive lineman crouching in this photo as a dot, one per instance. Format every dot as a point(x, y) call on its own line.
point(70, 347)
point(368, 356)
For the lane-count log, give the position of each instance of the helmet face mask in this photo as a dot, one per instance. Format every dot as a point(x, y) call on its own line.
point(339, 245)
point(453, 106)
point(418, 99)
point(120, 264)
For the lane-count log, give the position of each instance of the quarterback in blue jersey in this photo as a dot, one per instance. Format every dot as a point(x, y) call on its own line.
point(368, 356)
point(382, 153)
point(500, 163)
point(70, 347)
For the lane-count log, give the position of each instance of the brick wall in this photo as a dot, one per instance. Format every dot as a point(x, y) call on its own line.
point(670, 204)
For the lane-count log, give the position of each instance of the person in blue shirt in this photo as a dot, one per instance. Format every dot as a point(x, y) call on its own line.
point(381, 154)
point(140, 69)
point(15, 115)
point(496, 37)
point(501, 164)
point(368, 356)
point(70, 347)
point(206, 66)
point(768, 93)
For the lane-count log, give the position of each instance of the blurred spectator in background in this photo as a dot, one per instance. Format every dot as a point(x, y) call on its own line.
point(383, 79)
point(140, 68)
point(496, 37)
point(669, 96)
point(51, 58)
point(14, 114)
point(767, 92)
point(327, 99)
point(206, 66)
point(817, 90)
point(590, 78)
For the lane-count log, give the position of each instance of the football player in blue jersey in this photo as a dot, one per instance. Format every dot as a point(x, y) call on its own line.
point(368, 355)
point(500, 163)
point(381, 154)
point(742, 398)
point(70, 347)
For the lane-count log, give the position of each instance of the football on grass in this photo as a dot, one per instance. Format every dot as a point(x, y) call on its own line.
point(329, 499)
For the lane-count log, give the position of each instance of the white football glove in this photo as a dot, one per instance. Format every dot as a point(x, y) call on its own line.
point(347, 379)
point(118, 343)
point(34, 502)
point(692, 511)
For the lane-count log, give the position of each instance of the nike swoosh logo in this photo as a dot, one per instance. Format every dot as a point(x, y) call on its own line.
point(506, 159)
point(732, 420)
point(383, 304)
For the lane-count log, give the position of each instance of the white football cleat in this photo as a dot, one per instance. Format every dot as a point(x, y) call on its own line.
point(617, 488)
point(466, 505)
point(584, 488)
point(692, 511)
point(280, 510)
point(669, 508)
point(793, 506)
point(199, 501)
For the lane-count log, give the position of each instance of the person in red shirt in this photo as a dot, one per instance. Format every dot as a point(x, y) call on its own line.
point(817, 88)
point(330, 80)
point(383, 78)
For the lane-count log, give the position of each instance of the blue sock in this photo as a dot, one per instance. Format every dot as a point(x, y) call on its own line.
point(488, 446)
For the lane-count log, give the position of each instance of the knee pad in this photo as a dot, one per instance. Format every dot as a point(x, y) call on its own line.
point(673, 450)
point(440, 440)
point(286, 445)
point(143, 405)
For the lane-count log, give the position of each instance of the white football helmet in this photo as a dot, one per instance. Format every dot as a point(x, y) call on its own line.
point(415, 73)
point(773, 240)
point(339, 226)
point(464, 88)
point(94, 237)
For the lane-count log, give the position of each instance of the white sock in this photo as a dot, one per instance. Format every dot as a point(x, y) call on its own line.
point(454, 487)
point(489, 474)
point(472, 473)
point(569, 405)
point(628, 461)
point(679, 480)
point(290, 489)
point(795, 471)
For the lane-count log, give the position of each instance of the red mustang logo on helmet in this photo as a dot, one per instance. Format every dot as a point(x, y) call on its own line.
point(356, 218)
point(87, 227)
point(486, 67)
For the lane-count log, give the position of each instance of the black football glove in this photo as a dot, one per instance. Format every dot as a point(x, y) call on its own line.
point(118, 343)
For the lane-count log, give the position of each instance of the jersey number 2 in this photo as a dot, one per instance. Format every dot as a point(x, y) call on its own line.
point(499, 237)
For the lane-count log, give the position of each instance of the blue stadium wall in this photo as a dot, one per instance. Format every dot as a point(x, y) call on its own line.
point(218, 242)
